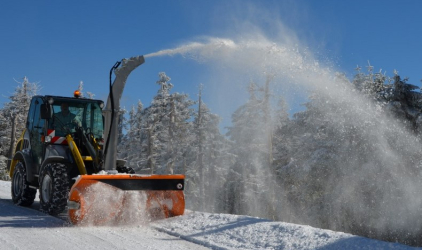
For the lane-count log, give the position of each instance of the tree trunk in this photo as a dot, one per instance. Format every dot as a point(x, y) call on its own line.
point(171, 129)
point(268, 121)
point(201, 153)
point(150, 150)
point(12, 136)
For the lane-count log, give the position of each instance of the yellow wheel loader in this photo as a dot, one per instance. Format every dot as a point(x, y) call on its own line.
point(68, 153)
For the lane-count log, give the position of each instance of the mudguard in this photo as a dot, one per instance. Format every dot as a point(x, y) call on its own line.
point(29, 165)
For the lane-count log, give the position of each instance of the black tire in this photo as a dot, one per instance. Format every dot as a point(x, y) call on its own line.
point(54, 188)
point(22, 194)
point(125, 170)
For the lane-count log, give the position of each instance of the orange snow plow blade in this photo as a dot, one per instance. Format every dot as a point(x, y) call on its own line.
point(123, 198)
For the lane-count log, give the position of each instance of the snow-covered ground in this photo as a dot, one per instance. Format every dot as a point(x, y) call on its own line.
point(27, 228)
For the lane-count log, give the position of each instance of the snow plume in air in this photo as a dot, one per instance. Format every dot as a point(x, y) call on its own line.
point(199, 50)
point(344, 163)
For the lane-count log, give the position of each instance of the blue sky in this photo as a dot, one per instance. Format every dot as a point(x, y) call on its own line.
point(60, 43)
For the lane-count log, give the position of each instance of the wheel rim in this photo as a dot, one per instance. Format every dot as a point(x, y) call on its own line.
point(17, 183)
point(46, 188)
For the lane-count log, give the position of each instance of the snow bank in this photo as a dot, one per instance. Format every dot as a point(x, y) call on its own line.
point(5, 189)
point(223, 231)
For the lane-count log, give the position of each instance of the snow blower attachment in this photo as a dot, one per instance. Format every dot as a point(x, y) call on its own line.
point(100, 199)
point(60, 147)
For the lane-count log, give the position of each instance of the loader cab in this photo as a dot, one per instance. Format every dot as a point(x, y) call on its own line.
point(68, 114)
point(51, 118)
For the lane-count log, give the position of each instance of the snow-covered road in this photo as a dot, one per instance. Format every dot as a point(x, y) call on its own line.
point(27, 228)
point(22, 228)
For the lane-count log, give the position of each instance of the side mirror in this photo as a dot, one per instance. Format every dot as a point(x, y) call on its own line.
point(45, 111)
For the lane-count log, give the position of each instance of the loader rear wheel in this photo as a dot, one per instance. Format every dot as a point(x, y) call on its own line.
point(22, 194)
point(54, 188)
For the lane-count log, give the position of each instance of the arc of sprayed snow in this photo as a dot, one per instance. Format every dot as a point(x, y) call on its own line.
point(212, 45)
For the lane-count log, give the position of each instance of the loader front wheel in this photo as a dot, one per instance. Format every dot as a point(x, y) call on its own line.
point(54, 188)
point(22, 194)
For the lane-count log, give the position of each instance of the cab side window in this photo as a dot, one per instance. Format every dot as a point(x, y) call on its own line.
point(38, 122)
point(30, 118)
point(37, 131)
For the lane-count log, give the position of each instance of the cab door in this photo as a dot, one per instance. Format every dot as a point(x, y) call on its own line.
point(36, 133)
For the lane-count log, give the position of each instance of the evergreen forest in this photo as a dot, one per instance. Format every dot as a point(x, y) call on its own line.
point(356, 170)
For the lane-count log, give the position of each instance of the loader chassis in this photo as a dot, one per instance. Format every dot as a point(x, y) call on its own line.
point(43, 158)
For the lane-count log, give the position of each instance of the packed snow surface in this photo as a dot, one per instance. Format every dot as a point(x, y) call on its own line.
point(27, 228)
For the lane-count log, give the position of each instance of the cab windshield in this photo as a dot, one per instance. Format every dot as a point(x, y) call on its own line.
point(68, 115)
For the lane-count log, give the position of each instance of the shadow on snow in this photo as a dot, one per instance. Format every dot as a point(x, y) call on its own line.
point(25, 217)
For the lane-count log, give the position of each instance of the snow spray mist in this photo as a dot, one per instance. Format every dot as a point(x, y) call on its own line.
point(392, 210)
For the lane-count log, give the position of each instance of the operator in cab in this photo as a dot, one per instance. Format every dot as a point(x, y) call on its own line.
point(65, 120)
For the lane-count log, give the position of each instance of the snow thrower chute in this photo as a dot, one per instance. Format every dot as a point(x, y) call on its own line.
point(69, 141)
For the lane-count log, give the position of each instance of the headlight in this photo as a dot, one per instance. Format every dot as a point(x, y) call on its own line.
point(47, 138)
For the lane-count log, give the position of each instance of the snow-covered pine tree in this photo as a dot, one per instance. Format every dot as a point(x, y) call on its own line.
point(372, 84)
point(132, 143)
point(321, 141)
point(88, 95)
point(303, 169)
point(81, 88)
point(4, 134)
point(179, 131)
point(122, 126)
point(281, 148)
point(248, 179)
point(158, 117)
point(345, 170)
point(165, 128)
point(405, 102)
point(4, 175)
point(208, 160)
point(15, 111)
point(158, 123)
